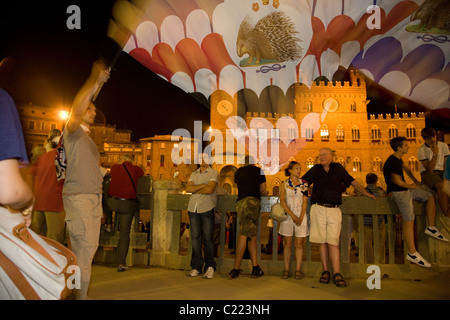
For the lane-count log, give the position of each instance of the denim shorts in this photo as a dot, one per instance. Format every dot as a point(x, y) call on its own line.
point(404, 201)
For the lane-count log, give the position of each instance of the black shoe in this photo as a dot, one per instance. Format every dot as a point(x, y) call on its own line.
point(234, 273)
point(257, 272)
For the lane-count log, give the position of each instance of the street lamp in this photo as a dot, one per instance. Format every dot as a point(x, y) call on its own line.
point(64, 115)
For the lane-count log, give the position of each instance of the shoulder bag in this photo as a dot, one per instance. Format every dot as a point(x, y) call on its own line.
point(32, 267)
point(132, 182)
point(277, 212)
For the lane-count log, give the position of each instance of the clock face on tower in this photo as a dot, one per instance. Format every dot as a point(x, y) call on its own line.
point(224, 107)
point(330, 104)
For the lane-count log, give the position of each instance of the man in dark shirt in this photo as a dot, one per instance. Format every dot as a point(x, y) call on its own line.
point(403, 195)
point(326, 217)
point(251, 183)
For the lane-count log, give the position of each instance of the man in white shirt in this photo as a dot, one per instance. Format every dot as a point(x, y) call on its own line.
point(203, 186)
point(432, 156)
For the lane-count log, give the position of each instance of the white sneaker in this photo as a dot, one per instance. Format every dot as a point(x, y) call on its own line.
point(434, 232)
point(193, 273)
point(418, 259)
point(209, 274)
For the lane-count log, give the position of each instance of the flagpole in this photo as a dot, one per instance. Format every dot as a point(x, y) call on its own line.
point(111, 66)
point(126, 16)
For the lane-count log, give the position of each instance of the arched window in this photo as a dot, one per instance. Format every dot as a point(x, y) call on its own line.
point(340, 133)
point(376, 133)
point(356, 165)
point(324, 133)
point(309, 133)
point(261, 132)
point(356, 135)
point(275, 187)
point(410, 131)
point(393, 132)
point(291, 132)
point(275, 133)
point(377, 165)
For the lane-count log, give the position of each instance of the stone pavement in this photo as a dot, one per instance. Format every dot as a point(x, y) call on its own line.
point(155, 283)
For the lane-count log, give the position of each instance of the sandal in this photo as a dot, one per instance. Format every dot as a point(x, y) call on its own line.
point(285, 274)
point(325, 277)
point(339, 282)
point(298, 275)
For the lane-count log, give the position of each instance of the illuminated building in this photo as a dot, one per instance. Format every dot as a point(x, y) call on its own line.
point(330, 115)
point(37, 122)
point(157, 157)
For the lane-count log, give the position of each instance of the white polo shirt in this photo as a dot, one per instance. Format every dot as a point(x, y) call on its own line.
point(203, 202)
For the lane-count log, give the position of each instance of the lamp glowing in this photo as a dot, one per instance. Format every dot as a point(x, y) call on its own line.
point(64, 115)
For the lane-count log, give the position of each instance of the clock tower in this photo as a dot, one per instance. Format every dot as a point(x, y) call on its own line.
point(223, 106)
point(333, 114)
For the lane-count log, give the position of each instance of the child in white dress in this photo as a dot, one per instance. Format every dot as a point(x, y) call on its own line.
point(293, 199)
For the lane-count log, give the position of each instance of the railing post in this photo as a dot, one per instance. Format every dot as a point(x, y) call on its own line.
point(345, 239)
point(362, 240)
point(162, 221)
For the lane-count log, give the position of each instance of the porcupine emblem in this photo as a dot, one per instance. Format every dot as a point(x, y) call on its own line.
point(271, 40)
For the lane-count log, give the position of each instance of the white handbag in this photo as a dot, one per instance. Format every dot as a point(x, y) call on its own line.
point(277, 213)
point(31, 267)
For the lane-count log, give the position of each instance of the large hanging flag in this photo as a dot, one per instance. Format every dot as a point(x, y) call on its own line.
point(250, 45)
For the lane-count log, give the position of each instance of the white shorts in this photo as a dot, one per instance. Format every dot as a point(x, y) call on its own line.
point(288, 228)
point(326, 224)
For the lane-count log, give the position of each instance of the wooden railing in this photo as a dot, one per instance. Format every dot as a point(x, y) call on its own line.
point(168, 210)
point(354, 207)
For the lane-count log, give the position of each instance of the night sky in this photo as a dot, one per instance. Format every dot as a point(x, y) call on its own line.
point(52, 62)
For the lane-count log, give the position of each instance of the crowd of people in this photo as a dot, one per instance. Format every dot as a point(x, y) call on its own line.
point(324, 184)
point(74, 203)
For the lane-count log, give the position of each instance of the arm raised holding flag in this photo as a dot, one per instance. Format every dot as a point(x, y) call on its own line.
point(83, 110)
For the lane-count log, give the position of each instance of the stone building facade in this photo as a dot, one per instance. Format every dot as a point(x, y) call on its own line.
point(332, 114)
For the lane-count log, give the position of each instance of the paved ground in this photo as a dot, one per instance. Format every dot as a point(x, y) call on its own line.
point(154, 283)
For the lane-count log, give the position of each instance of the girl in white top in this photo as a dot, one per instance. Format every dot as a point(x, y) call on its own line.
point(293, 199)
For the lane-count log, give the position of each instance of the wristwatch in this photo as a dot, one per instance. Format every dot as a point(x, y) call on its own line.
point(26, 212)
